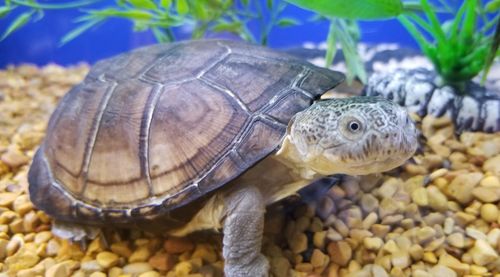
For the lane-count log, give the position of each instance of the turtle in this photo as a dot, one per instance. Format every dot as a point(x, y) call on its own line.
point(205, 134)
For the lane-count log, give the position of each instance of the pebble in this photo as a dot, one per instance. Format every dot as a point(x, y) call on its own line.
point(442, 271)
point(340, 252)
point(437, 200)
point(150, 274)
point(373, 243)
point(62, 269)
point(482, 253)
point(298, 244)
point(162, 261)
point(489, 212)
point(176, 245)
point(462, 185)
point(142, 254)
point(451, 262)
point(107, 259)
point(7, 198)
point(206, 252)
point(137, 268)
point(492, 165)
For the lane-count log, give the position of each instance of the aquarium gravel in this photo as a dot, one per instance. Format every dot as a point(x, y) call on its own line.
point(438, 215)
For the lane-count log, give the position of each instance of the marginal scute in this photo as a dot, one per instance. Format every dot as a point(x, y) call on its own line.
point(252, 146)
point(68, 135)
point(288, 106)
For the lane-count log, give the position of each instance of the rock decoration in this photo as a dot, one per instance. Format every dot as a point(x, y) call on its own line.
point(438, 215)
point(416, 89)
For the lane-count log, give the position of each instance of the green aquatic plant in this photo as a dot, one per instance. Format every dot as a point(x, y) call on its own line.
point(161, 17)
point(459, 48)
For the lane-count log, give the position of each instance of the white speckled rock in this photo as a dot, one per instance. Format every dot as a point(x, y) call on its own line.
point(416, 89)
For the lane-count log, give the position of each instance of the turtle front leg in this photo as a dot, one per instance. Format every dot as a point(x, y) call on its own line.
point(243, 227)
point(74, 232)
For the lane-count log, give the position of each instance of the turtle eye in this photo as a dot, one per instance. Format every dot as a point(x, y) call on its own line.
point(354, 126)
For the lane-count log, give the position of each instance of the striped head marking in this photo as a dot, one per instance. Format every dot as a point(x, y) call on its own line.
point(357, 136)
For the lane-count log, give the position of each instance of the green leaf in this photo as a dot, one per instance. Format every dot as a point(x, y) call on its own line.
point(143, 4)
point(78, 31)
point(68, 5)
point(4, 10)
point(19, 22)
point(287, 22)
point(227, 27)
point(132, 14)
point(353, 9)
point(269, 4)
point(161, 36)
point(331, 44)
point(493, 6)
point(166, 4)
point(182, 6)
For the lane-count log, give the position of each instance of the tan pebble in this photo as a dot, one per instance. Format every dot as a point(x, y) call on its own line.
point(121, 248)
point(319, 259)
point(280, 266)
point(97, 274)
point(3, 248)
point(462, 185)
point(420, 273)
point(463, 219)
point(400, 259)
point(449, 223)
point(373, 243)
point(23, 259)
point(456, 240)
point(482, 253)
point(162, 261)
point(369, 220)
point(425, 234)
point(79, 273)
point(95, 246)
point(304, 267)
point(25, 208)
point(15, 243)
point(494, 237)
point(30, 272)
point(388, 188)
point(490, 181)
point(316, 225)
point(141, 254)
point(298, 244)
point(175, 245)
point(397, 272)
point(429, 257)
point(302, 224)
point(388, 206)
point(52, 247)
point(369, 203)
point(30, 221)
point(475, 233)
point(493, 165)
point(43, 237)
point(341, 227)
point(416, 252)
point(487, 194)
point(391, 247)
point(359, 234)
point(61, 269)
point(7, 198)
point(107, 259)
point(91, 266)
point(319, 239)
point(438, 173)
point(14, 158)
point(473, 208)
point(115, 272)
point(437, 200)
point(442, 271)
point(206, 252)
point(183, 268)
point(380, 230)
point(453, 263)
point(17, 226)
point(333, 235)
point(325, 207)
point(489, 212)
point(150, 274)
point(419, 196)
point(340, 252)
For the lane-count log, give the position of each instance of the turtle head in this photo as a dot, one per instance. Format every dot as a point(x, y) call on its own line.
point(356, 136)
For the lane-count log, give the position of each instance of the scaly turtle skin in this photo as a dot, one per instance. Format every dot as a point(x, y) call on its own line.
point(169, 137)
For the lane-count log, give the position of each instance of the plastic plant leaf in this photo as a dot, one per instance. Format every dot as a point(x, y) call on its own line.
point(491, 54)
point(4, 10)
point(19, 22)
point(143, 4)
point(493, 6)
point(132, 14)
point(353, 9)
point(227, 27)
point(331, 44)
point(166, 3)
point(287, 22)
point(182, 6)
point(78, 31)
point(46, 6)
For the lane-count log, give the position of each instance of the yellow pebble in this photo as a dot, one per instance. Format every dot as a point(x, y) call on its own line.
point(150, 274)
point(140, 255)
point(107, 259)
point(489, 212)
point(115, 272)
point(97, 274)
point(429, 257)
point(490, 181)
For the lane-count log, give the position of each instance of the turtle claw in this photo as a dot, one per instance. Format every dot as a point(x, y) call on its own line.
point(75, 232)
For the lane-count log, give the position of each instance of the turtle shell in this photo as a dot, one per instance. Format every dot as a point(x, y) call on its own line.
point(154, 129)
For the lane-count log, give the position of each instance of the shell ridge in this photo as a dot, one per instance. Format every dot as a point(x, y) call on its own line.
point(145, 133)
point(96, 125)
point(226, 91)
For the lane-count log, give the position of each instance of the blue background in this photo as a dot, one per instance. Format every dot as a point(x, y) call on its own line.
point(38, 42)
